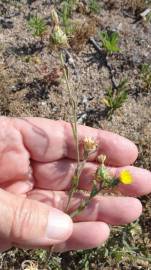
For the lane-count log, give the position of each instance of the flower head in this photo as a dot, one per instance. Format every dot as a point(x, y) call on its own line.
point(89, 144)
point(125, 177)
point(103, 173)
point(59, 37)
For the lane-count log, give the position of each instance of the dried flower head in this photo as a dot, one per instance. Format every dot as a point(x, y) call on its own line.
point(125, 177)
point(54, 17)
point(102, 159)
point(89, 144)
point(59, 37)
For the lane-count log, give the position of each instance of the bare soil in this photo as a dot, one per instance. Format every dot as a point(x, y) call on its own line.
point(25, 90)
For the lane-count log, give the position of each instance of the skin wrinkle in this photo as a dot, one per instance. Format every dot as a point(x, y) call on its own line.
point(65, 146)
point(68, 136)
point(98, 235)
point(110, 210)
point(66, 170)
point(28, 175)
point(11, 150)
point(3, 135)
point(60, 178)
point(19, 218)
point(39, 132)
point(27, 219)
point(6, 213)
point(57, 200)
point(58, 126)
point(93, 208)
point(46, 178)
point(47, 146)
point(69, 167)
point(100, 149)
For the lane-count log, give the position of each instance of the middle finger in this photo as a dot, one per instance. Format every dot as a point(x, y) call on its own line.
point(57, 176)
point(111, 210)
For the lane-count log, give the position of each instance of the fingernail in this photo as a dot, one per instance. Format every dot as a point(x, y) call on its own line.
point(59, 225)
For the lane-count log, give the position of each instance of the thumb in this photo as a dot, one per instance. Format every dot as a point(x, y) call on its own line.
point(29, 223)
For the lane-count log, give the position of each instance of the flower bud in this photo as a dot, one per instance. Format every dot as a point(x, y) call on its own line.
point(54, 17)
point(59, 37)
point(102, 159)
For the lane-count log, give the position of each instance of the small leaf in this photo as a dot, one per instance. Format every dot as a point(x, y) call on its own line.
point(94, 190)
point(106, 102)
point(114, 182)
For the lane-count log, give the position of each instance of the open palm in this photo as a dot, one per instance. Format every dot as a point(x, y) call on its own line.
point(37, 162)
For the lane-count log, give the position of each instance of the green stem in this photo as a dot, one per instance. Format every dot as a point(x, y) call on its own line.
point(84, 203)
point(49, 255)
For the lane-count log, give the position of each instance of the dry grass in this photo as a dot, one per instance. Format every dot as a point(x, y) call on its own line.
point(135, 5)
point(131, 121)
point(83, 31)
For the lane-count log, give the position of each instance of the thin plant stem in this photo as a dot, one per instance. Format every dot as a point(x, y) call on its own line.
point(49, 255)
point(77, 176)
point(84, 203)
point(73, 103)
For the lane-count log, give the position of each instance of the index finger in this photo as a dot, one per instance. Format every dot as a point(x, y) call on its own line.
point(49, 140)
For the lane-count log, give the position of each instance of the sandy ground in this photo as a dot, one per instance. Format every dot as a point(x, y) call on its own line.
point(25, 61)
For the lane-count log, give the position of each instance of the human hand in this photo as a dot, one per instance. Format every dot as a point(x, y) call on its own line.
point(37, 161)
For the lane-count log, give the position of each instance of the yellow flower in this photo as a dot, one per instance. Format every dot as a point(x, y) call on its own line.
point(89, 144)
point(125, 177)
